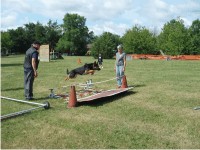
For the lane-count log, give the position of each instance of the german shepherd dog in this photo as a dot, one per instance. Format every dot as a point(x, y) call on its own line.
point(85, 69)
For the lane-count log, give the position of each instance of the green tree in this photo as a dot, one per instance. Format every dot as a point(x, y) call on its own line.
point(173, 38)
point(139, 40)
point(53, 33)
point(35, 32)
point(30, 34)
point(6, 43)
point(104, 45)
point(19, 40)
point(194, 34)
point(75, 35)
point(40, 33)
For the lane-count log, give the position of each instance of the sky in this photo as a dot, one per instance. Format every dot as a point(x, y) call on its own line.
point(115, 16)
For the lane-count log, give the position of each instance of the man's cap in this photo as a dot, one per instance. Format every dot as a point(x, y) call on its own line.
point(37, 42)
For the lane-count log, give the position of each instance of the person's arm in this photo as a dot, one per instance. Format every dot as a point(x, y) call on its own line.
point(115, 62)
point(34, 67)
point(124, 62)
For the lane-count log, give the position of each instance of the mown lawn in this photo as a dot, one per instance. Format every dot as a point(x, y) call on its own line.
point(157, 113)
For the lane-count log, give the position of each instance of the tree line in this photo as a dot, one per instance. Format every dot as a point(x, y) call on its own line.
point(73, 37)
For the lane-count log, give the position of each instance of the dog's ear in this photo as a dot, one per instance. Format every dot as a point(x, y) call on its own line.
point(95, 62)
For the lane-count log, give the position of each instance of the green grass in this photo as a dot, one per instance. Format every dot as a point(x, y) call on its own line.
point(157, 113)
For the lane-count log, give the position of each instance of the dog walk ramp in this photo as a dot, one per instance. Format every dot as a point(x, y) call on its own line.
point(104, 94)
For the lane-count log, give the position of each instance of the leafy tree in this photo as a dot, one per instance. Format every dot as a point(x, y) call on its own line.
point(6, 43)
point(53, 33)
point(40, 33)
point(194, 34)
point(173, 38)
point(19, 40)
point(30, 32)
point(139, 40)
point(35, 32)
point(91, 38)
point(75, 35)
point(105, 45)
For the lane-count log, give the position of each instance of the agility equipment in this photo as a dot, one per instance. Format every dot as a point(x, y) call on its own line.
point(87, 90)
point(79, 61)
point(196, 108)
point(45, 105)
point(124, 82)
point(52, 95)
point(104, 94)
point(72, 98)
point(92, 83)
point(88, 84)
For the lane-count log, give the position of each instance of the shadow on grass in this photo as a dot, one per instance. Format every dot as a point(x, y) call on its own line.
point(12, 89)
point(42, 98)
point(105, 100)
point(138, 85)
point(11, 65)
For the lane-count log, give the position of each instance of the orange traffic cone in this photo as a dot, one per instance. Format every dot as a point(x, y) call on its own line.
point(79, 61)
point(72, 98)
point(124, 82)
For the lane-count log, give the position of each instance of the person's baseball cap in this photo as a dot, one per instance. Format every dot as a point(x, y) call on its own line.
point(37, 42)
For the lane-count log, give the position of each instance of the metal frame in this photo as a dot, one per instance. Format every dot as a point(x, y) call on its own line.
point(196, 108)
point(45, 105)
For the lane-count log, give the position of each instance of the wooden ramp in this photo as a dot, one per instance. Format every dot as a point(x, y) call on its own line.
point(104, 94)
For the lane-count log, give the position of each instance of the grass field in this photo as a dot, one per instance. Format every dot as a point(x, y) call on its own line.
point(157, 113)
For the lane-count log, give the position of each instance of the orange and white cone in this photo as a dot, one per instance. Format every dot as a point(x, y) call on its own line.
point(124, 82)
point(79, 61)
point(72, 98)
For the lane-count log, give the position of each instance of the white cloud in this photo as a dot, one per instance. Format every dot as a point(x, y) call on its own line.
point(93, 10)
point(137, 22)
point(109, 27)
point(187, 22)
point(8, 20)
point(102, 15)
point(156, 11)
point(16, 5)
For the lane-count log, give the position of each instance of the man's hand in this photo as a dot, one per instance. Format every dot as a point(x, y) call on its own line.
point(34, 67)
point(35, 74)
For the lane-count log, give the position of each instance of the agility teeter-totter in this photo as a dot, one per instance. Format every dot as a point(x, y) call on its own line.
point(73, 101)
point(103, 94)
point(45, 105)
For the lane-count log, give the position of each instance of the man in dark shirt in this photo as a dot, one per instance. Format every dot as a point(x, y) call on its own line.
point(31, 63)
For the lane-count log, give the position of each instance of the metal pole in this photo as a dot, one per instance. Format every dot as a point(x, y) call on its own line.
point(196, 108)
point(46, 105)
point(18, 113)
point(27, 102)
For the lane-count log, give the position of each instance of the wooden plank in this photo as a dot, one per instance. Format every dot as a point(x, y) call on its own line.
point(104, 94)
point(44, 53)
